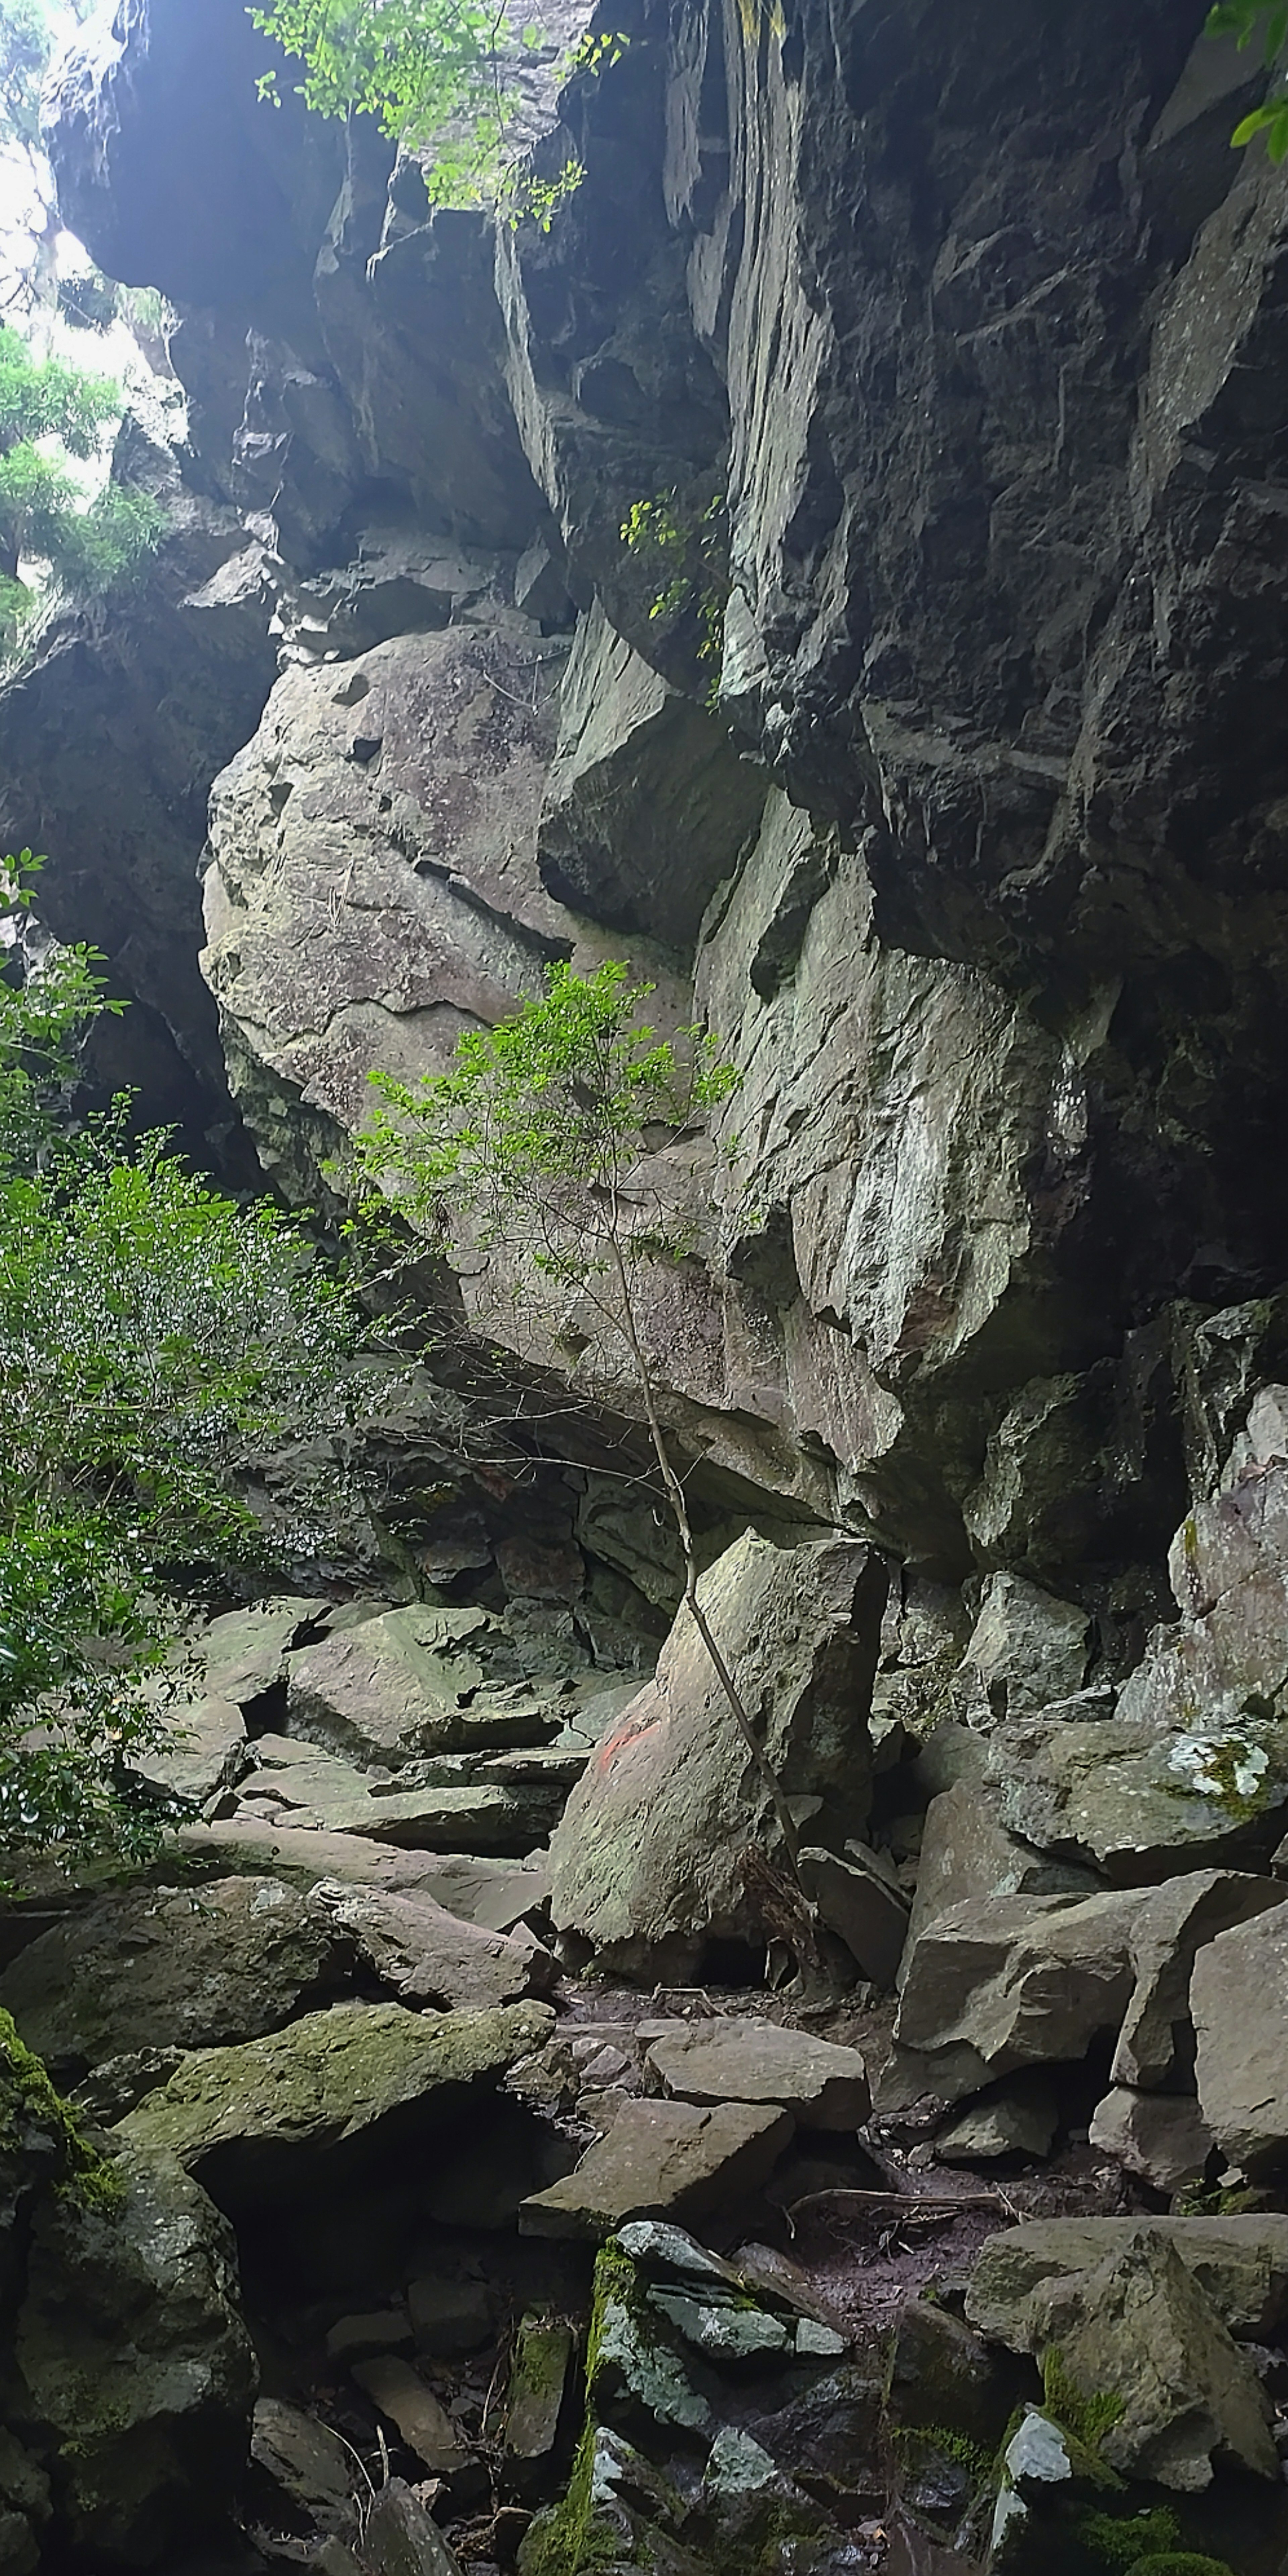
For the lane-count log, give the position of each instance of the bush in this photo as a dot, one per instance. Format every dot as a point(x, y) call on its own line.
point(152, 1333)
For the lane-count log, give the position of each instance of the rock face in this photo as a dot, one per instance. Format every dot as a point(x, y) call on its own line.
point(649, 1857)
point(937, 779)
point(837, 565)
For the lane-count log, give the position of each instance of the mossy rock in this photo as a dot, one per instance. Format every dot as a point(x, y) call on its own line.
point(252, 2121)
point(42, 2146)
point(1179, 2562)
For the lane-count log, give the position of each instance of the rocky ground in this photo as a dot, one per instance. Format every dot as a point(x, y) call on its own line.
point(484, 2155)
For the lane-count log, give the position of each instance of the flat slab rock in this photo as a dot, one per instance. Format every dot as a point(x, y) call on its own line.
point(249, 2121)
point(496, 1893)
point(662, 2160)
point(749, 2059)
point(1241, 2263)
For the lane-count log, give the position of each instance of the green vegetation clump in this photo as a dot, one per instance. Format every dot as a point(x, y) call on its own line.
point(689, 550)
point(1245, 20)
point(569, 2538)
point(29, 2099)
point(434, 73)
point(44, 517)
point(154, 1336)
point(1084, 2419)
point(911, 2439)
point(1179, 2562)
point(1118, 2541)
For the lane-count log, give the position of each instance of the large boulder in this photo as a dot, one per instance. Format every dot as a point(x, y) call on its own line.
point(1139, 2331)
point(1156, 2044)
point(429, 1956)
point(1239, 1998)
point(996, 1985)
point(1025, 1649)
point(649, 1861)
point(243, 1652)
point(663, 2160)
point(261, 2122)
point(133, 2370)
point(1163, 2137)
point(202, 1749)
point(1240, 2263)
point(175, 1967)
point(404, 1684)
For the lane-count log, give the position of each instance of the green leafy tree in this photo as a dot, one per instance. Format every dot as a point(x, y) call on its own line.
point(26, 43)
point(432, 72)
point(152, 1333)
point(536, 1145)
point(42, 507)
point(1248, 21)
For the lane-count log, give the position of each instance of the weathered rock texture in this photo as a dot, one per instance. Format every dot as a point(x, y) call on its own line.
point(972, 326)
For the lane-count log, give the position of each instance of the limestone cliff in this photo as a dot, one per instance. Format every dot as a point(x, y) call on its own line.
point(969, 840)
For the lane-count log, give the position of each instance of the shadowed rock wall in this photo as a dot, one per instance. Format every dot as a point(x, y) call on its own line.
point(959, 334)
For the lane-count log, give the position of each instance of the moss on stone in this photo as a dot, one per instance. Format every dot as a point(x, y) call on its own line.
point(1117, 2541)
point(1180, 2562)
point(1084, 2418)
point(568, 2539)
point(966, 2455)
point(28, 2095)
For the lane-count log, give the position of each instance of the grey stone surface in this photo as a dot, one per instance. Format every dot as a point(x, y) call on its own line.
point(450, 2316)
point(1016, 2119)
point(1140, 2329)
point(399, 2393)
point(243, 1652)
point(648, 803)
point(306, 2460)
point(1163, 2137)
point(399, 1685)
point(175, 1967)
point(1025, 1649)
point(205, 1748)
point(745, 2058)
point(662, 2159)
point(1239, 1999)
point(1240, 2263)
point(996, 1985)
point(544, 2352)
point(428, 1956)
point(648, 1852)
point(966, 1853)
point(1156, 2044)
point(859, 1903)
point(401, 2539)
